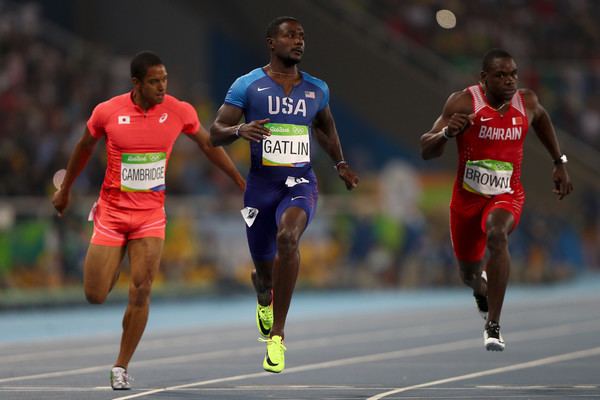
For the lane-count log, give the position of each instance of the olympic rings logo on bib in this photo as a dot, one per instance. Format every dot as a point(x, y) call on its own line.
point(143, 172)
point(488, 177)
point(288, 146)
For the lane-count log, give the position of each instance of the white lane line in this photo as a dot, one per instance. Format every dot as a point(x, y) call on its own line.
point(515, 367)
point(53, 389)
point(195, 340)
point(464, 344)
point(153, 343)
point(58, 374)
point(208, 382)
point(351, 338)
point(198, 340)
point(149, 344)
point(355, 338)
point(312, 367)
point(554, 386)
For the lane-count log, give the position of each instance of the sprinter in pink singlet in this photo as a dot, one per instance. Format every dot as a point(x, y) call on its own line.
point(139, 128)
point(489, 122)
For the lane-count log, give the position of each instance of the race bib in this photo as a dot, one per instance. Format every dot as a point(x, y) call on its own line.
point(143, 172)
point(288, 146)
point(488, 177)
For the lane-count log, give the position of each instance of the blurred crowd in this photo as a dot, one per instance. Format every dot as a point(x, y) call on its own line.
point(555, 44)
point(393, 233)
point(46, 93)
point(49, 85)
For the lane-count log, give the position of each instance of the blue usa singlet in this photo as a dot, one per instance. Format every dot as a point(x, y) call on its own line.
point(281, 174)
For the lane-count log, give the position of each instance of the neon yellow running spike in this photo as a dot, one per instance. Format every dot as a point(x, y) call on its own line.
point(275, 358)
point(264, 319)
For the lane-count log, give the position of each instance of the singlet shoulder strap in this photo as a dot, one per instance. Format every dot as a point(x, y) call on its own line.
point(518, 103)
point(478, 99)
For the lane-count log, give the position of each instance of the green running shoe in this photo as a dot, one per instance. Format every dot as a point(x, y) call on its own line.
point(264, 319)
point(274, 359)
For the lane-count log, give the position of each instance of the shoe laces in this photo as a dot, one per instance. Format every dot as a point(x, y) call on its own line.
point(269, 341)
point(493, 329)
point(265, 312)
point(122, 378)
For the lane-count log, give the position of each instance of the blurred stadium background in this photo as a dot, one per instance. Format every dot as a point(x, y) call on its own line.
point(390, 68)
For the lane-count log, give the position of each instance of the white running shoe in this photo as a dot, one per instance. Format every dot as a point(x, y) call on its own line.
point(492, 339)
point(119, 379)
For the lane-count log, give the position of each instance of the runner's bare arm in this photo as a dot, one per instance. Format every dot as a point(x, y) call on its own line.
point(218, 156)
point(325, 132)
point(544, 130)
point(226, 128)
point(453, 121)
point(79, 159)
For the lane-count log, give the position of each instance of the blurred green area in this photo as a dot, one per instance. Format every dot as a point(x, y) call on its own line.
point(375, 238)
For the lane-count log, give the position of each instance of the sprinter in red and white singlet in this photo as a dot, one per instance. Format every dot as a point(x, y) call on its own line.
point(489, 122)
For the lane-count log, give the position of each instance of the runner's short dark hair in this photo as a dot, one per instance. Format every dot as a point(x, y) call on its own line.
point(141, 62)
point(273, 27)
point(491, 55)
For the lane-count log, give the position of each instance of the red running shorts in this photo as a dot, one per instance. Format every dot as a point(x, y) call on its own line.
point(114, 226)
point(468, 222)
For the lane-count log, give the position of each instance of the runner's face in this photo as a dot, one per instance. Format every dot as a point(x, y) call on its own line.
point(288, 44)
point(501, 78)
point(154, 86)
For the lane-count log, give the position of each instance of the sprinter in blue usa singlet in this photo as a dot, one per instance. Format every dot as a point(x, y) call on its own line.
point(281, 174)
point(285, 111)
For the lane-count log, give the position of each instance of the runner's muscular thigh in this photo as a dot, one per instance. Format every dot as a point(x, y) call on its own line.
point(500, 219)
point(144, 259)
point(293, 220)
point(99, 270)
